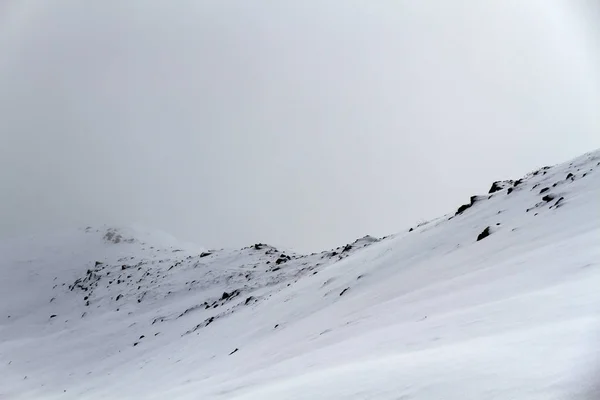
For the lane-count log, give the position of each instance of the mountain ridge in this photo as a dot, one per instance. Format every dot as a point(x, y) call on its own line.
point(85, 305)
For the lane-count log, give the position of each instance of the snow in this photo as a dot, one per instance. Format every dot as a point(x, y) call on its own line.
point(427, 314)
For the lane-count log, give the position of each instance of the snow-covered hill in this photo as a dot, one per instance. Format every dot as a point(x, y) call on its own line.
point(497, 300)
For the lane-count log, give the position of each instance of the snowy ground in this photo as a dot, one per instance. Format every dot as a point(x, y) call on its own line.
point(427, 314)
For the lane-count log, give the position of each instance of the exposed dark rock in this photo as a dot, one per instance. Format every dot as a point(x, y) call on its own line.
point(462, 208)
point(53, 316)
point(486, 232)
point(569, 175)
point(233, 351)
point(98, 263)
point(205, 254)
point(248, 300)
point(141, 337)
point(275, 269)
point(495, 187)
point(548, 197)
point(411, 229)
point(558, 203)
point(258, 246)
point(509, 191)
point(348, 247)
point(518, 182)
point(118, 297)
point(344, 291)
point(276, 326)
point(544, 190)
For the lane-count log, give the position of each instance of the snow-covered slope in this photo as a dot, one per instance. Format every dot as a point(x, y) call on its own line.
point(432, 313)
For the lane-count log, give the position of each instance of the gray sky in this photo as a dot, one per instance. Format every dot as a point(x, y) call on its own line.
point(300, 123)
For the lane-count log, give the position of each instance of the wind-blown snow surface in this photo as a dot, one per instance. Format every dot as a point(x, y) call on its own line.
point(427, 314)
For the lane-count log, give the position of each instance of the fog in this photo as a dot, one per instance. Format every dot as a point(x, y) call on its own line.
point(303, 124)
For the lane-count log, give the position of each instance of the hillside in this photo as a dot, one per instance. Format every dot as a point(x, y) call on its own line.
point(497, 299)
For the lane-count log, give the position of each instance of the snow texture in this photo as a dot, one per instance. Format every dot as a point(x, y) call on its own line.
point(432, 313)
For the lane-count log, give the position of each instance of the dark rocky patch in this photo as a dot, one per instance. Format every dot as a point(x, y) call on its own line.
point(465, 207)
point(548, 197)
point(558, 203)
point(569, 175)
point(203, 324)
point(344, 291)
point(248, 300)
point(282, 259)
point(509, 191)
point(485, 233)
point(462, 208)
point(234, 351)
point(544, 190)
point(495, 187)
point(205, 254)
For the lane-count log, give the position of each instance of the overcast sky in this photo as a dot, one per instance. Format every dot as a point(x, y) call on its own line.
point(305, 124)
